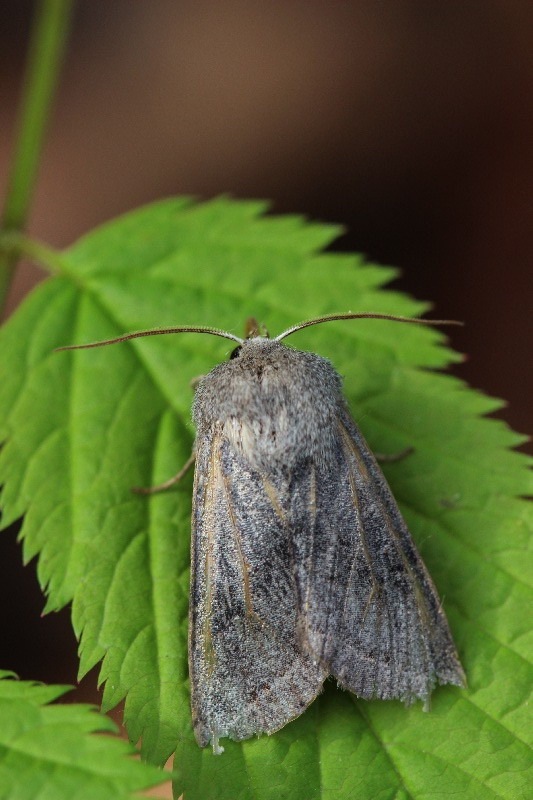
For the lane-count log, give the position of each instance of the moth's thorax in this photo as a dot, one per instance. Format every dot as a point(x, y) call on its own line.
point(275, 404)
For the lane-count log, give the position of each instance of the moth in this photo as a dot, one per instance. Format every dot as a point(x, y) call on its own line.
point(302, 565)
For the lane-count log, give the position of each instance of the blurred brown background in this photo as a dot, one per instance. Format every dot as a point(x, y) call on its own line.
point(408, 121)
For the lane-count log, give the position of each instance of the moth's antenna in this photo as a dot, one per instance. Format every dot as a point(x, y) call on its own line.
point(154, 332)
point(364, 315)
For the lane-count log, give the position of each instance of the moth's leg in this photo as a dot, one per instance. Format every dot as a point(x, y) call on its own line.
point(162, 487)
point(217, 748)
point(390, 458)
point(171, 481)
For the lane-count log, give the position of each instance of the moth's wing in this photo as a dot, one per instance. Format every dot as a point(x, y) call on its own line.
point(369, 610)
point(248, 675)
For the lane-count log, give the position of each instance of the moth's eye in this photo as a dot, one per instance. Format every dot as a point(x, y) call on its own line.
point(236, 353)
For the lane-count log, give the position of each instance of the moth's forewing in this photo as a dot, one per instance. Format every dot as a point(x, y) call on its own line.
point(371, 611)
point(248, 674)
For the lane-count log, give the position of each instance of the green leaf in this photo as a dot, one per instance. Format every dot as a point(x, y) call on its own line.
point(50, 751)
point(82, 428)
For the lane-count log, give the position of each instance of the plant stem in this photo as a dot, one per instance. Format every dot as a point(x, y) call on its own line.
point(16, 245)
point(45, 54)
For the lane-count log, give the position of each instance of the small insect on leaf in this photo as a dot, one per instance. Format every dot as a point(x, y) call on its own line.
point(302, 565)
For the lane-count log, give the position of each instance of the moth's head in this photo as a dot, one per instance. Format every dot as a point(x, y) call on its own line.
point(254, 335)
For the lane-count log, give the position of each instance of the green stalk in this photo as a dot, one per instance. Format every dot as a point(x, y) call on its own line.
point(45, 54)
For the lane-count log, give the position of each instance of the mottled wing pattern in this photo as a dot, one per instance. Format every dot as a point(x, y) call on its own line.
point(248, 675)
point(369, 610)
